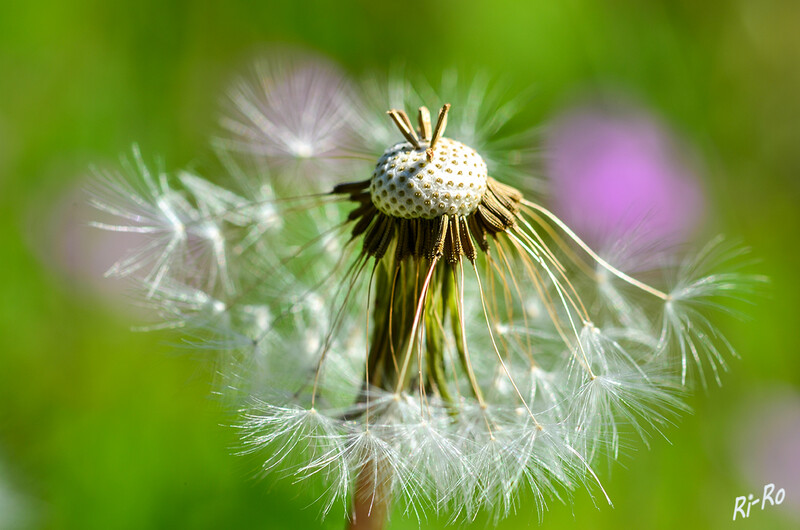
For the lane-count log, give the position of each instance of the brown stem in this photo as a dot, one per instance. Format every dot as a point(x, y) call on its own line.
point(370, 500)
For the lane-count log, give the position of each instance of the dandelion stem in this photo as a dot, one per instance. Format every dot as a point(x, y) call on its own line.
point(370, 501)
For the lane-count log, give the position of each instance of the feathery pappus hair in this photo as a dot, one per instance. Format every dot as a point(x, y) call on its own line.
point(403, 320)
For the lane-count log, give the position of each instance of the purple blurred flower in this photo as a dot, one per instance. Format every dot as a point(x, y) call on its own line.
point(615, 170)
point(63, 242)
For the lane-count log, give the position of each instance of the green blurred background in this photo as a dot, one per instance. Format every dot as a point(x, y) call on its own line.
point(104, 428)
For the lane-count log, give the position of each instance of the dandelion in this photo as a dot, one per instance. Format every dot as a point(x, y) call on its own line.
point(424, 336)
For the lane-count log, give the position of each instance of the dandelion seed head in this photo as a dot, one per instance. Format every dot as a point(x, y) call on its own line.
point(425, 335)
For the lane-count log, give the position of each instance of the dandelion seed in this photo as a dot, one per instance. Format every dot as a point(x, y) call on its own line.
point(422, 335)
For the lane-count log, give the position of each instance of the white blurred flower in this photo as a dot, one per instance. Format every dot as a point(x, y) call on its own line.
point(297, 113)
point(422, 333)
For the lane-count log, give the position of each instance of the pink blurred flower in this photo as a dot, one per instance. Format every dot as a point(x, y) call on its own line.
point(615, 170)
